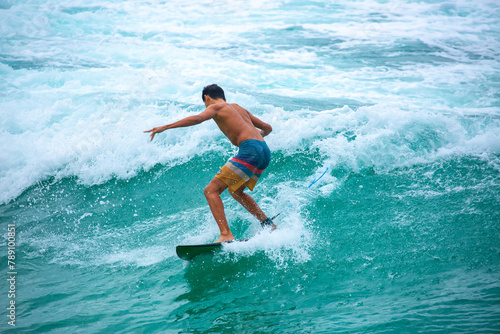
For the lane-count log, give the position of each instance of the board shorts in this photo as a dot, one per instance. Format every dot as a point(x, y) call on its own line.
point(247, 166)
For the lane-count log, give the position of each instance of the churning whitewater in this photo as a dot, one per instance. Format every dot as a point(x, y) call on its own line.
point(399, 100)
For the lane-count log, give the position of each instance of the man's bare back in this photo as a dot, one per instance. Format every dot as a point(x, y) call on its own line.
point(236, 122)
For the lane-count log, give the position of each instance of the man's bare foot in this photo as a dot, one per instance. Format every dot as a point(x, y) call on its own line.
point(225, 238)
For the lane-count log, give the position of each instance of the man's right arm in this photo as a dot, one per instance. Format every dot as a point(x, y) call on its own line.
point(259, 124)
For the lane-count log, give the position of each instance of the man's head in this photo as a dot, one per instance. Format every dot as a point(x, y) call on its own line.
point(214, 92)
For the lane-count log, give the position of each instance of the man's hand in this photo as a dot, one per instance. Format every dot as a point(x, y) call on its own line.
point(156, 130)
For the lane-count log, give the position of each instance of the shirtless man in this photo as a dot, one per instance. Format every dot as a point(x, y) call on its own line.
point(240, 172)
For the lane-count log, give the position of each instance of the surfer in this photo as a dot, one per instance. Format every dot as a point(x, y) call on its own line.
point(245, 131)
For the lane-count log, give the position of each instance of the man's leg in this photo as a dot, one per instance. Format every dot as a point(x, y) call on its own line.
point(212, 194)
point(249, 203)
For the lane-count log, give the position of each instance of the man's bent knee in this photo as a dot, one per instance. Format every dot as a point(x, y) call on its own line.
point(210, 190)
point(215, 186)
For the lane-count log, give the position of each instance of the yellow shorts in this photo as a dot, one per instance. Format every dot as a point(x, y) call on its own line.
point(234, 180)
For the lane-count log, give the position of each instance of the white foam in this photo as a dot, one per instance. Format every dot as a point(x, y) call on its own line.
point(90, 138)
point(382, 136)
point(108, 142)
point(290, 243)
point(77, 106)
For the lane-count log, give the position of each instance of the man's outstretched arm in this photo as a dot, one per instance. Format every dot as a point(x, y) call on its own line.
point(209, 113)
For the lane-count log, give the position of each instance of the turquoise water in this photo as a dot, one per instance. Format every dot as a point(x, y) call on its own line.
point(399, 100)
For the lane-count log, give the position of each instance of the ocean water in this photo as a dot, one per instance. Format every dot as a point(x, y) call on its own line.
point(400, 100)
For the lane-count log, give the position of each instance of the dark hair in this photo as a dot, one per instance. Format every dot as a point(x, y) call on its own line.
point(214, 91)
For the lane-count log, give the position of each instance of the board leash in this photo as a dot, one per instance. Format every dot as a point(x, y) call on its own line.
point(309, 186)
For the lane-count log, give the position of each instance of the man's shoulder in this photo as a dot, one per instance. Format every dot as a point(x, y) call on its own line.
point(226, 106)
point(214, 109)
point(237, 107)
point(218, 106)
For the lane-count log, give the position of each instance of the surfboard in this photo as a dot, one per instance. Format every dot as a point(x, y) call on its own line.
point(188, 252)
